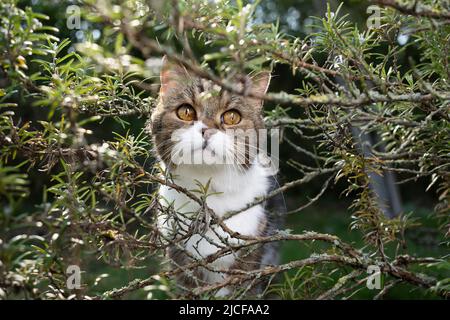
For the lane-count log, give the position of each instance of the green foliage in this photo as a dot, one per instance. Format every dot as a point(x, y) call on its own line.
point(78, 173)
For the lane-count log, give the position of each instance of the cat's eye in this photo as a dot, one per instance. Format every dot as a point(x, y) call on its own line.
point(231, 117)
point(186, 112)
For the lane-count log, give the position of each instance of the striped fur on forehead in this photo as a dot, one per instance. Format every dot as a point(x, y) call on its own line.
point(208, 99)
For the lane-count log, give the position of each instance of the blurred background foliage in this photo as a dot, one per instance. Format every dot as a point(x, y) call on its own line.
point(97, 64)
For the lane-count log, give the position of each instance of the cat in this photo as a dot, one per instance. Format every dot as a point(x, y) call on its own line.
point(192, 130)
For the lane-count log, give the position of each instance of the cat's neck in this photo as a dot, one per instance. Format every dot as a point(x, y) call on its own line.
point(223, 178)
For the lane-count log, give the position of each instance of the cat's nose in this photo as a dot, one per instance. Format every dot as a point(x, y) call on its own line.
point(208, 132)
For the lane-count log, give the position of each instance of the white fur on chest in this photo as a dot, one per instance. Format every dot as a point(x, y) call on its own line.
point(232, 190)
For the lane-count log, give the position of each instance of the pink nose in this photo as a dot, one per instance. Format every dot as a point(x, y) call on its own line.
point(208, 132)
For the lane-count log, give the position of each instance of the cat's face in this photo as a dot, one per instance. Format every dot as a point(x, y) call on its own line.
point(197, 123)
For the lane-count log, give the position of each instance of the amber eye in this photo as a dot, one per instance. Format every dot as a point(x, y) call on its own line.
point(186, 112)
point(231, 117)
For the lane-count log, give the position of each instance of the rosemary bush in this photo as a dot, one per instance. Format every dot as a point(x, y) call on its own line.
point(78, 173)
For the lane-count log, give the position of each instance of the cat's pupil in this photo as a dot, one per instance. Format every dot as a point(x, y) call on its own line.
point(231, 117)
point(186, 112)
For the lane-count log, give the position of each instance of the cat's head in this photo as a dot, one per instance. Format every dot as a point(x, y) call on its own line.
point(197, 122)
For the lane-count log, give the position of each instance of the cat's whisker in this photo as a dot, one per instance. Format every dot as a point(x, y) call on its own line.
point(259, 149)
point(232, 153)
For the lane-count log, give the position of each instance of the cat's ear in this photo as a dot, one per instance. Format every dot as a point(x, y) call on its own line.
point(259, 85)
point(172, 76)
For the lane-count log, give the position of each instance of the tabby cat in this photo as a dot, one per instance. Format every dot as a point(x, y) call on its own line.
point(192, 129)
